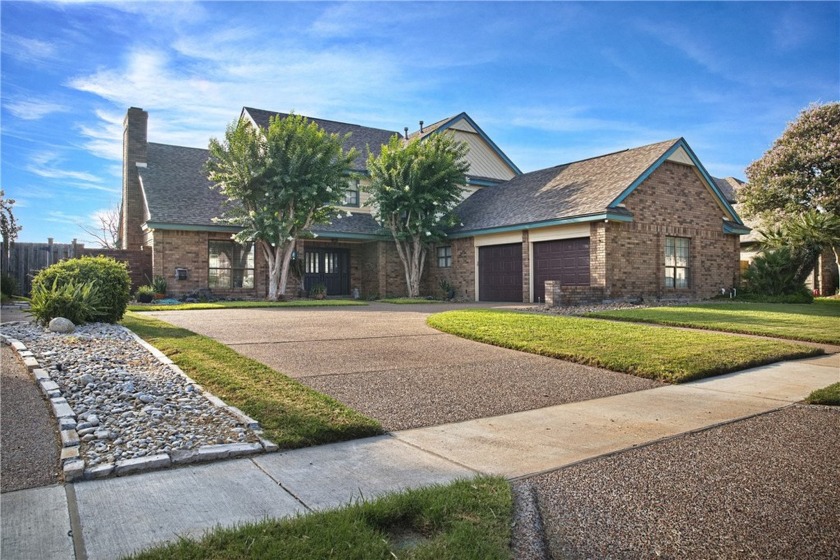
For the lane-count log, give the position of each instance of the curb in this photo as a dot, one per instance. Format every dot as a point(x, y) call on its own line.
point(73, 466)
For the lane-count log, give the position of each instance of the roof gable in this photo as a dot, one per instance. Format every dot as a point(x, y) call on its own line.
point(487, 160)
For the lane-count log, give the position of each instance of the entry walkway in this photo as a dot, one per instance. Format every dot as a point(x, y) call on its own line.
point(113, 517)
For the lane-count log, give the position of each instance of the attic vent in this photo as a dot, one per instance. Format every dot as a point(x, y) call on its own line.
point(421, 127)
point(406, 133)
point(180, 274)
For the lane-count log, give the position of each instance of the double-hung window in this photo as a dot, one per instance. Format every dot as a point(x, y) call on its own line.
point(351, 195)
point(676, 262)
point(444, 257)
point(231, 265)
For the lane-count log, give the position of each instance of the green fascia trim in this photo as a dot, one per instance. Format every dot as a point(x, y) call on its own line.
point(681, 143)
point(484, 182)
point(192, 227)
point(547, 223)
point(326, 236)
point(732, 228)
point(481, 133)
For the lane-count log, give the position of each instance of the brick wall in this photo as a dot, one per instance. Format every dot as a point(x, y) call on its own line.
point(673, 201)
point(557, 295)
point(461, 274)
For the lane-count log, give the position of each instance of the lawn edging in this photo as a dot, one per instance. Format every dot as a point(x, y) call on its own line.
point(670, 355)
point(291, 414)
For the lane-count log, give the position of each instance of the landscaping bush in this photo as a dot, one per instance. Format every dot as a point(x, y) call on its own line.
point(773, 273)
point(80, 302)
point(108, 276)
point(145, 294)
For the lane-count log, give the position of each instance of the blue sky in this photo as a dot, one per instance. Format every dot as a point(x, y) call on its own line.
point(549, 82)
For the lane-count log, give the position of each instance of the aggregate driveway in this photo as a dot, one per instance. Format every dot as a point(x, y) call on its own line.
point(384, 361)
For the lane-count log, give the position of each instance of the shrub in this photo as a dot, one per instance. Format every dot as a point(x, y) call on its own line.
point(773, 273)
point(159, 285)
point(81, 302)
point(145, 294)
point(8, 285)
point(107, 275)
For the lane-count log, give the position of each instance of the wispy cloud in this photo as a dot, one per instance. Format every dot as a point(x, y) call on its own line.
point(50, 165)
point(34, 109)
point(27, 49)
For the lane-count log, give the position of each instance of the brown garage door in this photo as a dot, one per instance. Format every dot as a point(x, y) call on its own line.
point(566, 260)
point(500, 272)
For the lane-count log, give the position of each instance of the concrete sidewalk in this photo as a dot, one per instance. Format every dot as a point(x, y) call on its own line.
point(112, 517)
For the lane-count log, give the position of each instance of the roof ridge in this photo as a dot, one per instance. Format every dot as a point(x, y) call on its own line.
point(670, 141)
point(320, 119)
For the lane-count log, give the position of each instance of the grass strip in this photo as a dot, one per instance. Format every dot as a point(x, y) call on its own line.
point(468, 519)
point(816, 322)
point(827, 395)
point(409, 300)
point(292, 414)
point(244, 304)
point(657, 353)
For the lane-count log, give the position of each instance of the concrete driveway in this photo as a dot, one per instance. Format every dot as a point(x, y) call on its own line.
point(384, 361)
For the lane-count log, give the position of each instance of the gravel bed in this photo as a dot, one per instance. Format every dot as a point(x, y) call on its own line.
point(127, 403)
point(766, 487)
point(29, 441)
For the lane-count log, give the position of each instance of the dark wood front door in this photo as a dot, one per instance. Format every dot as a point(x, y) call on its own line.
point(327, 266)
point(500, 272)
point(565, 260)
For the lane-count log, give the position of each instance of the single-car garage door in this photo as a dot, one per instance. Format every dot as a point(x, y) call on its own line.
point(566, 260)
point(500, 272)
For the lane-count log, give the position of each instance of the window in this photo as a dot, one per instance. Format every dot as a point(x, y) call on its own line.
point(444, 256)
point(231, 265)
point(351, 195)
point(676, 262)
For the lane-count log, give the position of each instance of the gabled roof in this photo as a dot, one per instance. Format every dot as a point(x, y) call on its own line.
point(447, 123)
point(586, 190)
point(729, 187)
point(361, 137)
point(176, 188)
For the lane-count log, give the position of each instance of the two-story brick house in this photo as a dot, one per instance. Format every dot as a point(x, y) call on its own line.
point(647, 222)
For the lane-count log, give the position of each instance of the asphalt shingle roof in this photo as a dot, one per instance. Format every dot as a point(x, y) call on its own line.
point(355, 223)
point(361, 137)
point(575, 189)
point(176, 186)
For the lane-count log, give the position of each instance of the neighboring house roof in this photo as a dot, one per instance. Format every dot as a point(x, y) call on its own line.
point(361, 137)
point(356, 225)
point(585, 190)
point(729, 187)
point(176, 188)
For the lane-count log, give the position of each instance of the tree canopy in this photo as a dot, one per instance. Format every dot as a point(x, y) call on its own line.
point(801, 171)
point(280, 182)
point(414, 187)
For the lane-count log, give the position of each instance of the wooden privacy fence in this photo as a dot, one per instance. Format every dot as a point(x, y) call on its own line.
point(25, 260)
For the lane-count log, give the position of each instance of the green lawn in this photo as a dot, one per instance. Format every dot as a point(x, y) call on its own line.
point(817, 322)
point(466, 520)
point(291, 414)
point(653, 352)
point(244, 304)
point(827, 395)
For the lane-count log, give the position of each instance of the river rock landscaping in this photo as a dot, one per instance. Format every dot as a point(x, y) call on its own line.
point(128, 404)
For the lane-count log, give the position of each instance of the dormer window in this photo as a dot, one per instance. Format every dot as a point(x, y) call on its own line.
point(351, 195)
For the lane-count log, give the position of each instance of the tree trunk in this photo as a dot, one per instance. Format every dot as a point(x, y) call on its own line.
point(288, 249)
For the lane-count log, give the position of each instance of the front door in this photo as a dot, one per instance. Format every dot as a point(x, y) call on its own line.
point(330, 267)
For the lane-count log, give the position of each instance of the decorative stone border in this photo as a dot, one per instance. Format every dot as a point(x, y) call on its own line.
point(73, 466)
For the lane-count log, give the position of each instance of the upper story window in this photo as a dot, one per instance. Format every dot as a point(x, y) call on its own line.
point(676, 262)
point(230, 265)
point(444, 257)
point(351, 195)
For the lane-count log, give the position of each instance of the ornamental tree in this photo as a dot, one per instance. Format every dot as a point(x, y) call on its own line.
point(280, 182)
point(414, 187)
point(9, 227)
point(801, 171)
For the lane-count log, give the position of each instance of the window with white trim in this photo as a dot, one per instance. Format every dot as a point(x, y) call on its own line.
point(676, 262)
point(351, 195)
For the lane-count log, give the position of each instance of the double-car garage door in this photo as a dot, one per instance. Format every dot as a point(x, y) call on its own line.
point(500, 268)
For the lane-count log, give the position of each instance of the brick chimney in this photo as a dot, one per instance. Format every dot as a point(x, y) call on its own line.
point(134, 151)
